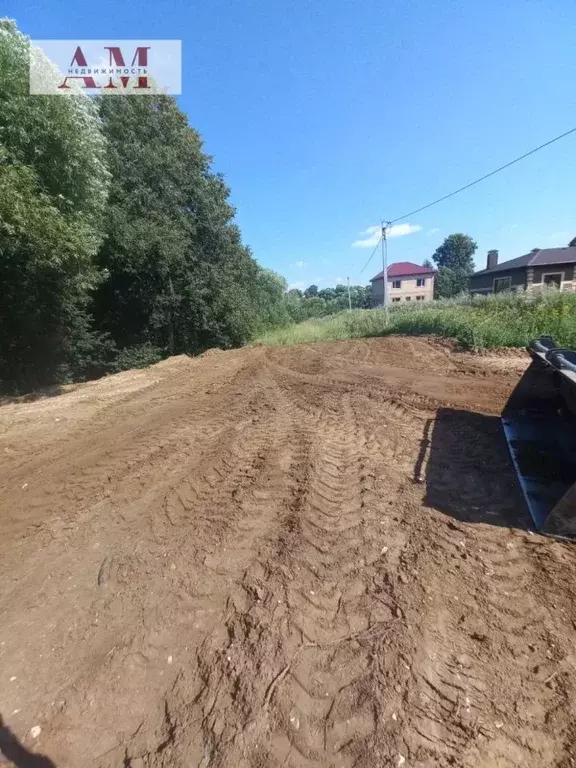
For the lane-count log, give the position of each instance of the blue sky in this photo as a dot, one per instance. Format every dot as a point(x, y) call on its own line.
point(327, 116)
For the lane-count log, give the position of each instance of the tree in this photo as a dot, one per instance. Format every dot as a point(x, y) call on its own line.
point(456, 252)
point(270, 290)
point(428, 264)
point(53, 189)
point(314, 307)
point(450, 282)
point(180, 278)
point(327, 293)
point(311, 291)
point(455, 261)
point(572, 242)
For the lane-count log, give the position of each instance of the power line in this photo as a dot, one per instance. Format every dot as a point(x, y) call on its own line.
point(371, 256)
point(482, 178)
point(467, 186)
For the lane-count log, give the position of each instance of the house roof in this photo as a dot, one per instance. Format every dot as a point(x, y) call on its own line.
point(404, 269)
point(539, 257)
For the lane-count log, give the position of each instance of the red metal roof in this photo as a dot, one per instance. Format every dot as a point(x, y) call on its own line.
point(404, 269)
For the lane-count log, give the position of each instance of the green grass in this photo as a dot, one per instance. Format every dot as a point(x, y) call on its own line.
point(478, 322)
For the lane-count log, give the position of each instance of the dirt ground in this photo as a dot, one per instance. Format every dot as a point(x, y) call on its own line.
point(304, 556)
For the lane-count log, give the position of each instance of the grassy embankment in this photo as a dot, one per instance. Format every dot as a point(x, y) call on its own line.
point(479, 322)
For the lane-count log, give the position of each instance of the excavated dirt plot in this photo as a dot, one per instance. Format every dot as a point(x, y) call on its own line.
point(305, 556)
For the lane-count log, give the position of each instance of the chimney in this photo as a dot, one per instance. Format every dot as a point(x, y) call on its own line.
point(492, 260)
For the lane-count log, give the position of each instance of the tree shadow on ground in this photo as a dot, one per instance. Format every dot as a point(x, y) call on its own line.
point(469, 472)
point(17, 753)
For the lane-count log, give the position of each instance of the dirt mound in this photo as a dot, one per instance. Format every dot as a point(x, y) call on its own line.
point(302, 556)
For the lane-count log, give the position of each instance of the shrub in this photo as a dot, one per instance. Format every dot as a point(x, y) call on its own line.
point(138, 356)
point(477, 322)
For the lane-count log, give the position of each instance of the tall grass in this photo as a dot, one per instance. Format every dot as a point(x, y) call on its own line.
point(477, 322)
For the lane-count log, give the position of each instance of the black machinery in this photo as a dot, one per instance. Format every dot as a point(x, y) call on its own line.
point(539, 422)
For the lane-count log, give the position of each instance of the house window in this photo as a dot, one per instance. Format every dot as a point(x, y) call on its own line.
point(408, 298)
point(396, 298)
point(420, 282)
point(502, 284)
point(419, 298)
point(553, 278)
point(397, 284)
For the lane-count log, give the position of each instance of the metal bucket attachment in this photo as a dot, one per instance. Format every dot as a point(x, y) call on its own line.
point(539, 422)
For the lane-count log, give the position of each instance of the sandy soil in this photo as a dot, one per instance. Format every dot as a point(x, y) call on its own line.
point(306, 556)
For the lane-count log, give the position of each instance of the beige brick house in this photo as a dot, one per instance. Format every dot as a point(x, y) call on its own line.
point(406, 282)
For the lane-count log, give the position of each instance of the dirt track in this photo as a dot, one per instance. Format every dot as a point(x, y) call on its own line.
point(308, 556)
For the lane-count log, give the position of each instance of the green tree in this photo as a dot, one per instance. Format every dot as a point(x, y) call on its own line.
point(270, 300)
point(293, 303)
point(428, 264)
point(53, 188)
point(572, 242)
point(361, 296)
point(450, 282)
point(314, 307)
point(455, 262)
point(180, 278)
point(311, 291)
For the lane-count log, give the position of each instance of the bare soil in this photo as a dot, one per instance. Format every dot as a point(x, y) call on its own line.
point(304, 556)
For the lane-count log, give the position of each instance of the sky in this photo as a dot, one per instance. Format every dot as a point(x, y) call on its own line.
point(326, 117)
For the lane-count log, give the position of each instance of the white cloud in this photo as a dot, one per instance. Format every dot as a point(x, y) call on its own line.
point(371, 236)
point(399, 230)
point(299, 264)
point(301, 284)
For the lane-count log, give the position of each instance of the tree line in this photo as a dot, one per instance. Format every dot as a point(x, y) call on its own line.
point(314, 302)
point(118, 244)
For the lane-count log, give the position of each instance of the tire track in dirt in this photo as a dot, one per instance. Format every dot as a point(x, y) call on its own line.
point(236, 502)
point(314, 612)
point(224, 500)
point(317, 705)
point(286, 558)
point(479, 691)
point(142, 440)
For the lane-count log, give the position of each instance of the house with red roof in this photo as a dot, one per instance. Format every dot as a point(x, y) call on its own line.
point(406, 282)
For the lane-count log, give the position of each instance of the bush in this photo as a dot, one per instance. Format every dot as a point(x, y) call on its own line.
point(477, 322)
point(138, 356)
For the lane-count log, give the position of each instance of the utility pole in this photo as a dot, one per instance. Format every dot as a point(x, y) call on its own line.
point(385, 269)
point(349, 298)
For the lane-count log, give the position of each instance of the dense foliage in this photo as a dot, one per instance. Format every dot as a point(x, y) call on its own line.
point(118, 244)
point(314, 302)
point(455, 262)
point(53, 186)
point(179, 277)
